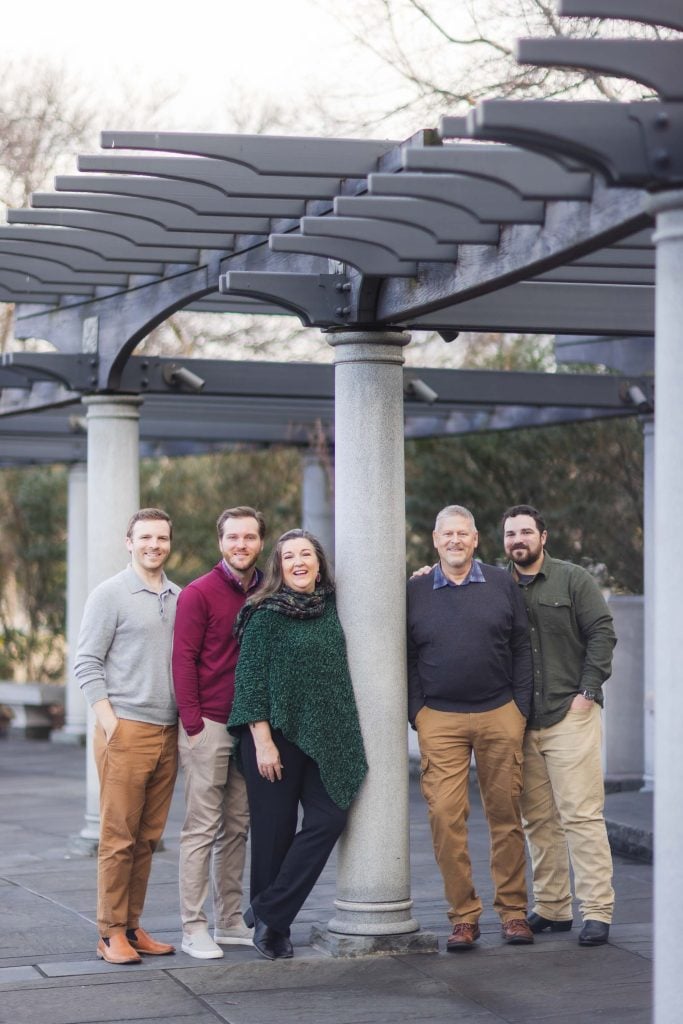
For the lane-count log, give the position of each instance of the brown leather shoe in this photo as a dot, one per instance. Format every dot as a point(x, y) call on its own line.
point(117, 950)
point(517, 932)
point(463, 936)
point(143, 942)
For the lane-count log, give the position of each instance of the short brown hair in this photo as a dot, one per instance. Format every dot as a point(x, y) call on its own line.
point(148, 513)
point(524, 510)
point(241, 512)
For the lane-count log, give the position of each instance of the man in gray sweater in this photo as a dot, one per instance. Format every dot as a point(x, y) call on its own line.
point(123, 665)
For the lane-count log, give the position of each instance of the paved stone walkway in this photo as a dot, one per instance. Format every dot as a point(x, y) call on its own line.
point(49, 973)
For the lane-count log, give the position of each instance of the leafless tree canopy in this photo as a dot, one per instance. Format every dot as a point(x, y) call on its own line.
point(440, 56)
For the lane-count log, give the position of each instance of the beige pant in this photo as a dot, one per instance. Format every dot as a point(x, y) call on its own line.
point(447, 740)
point(214, 834)
point(562, 808)
point(137, 770)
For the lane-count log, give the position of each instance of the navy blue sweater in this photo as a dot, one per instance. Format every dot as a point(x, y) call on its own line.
point(468, 646)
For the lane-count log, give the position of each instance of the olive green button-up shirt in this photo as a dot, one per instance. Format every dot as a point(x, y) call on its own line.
point(572, 638)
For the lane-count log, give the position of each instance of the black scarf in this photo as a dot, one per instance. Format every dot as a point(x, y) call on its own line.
point(286, 602)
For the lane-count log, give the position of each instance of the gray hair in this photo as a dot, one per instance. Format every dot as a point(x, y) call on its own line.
point(455, 510)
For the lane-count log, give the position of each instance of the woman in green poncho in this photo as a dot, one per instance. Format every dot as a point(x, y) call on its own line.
point(300, 741)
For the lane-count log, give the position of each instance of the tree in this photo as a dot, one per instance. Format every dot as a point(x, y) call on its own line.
point(585, 477)
point(434, 57)
point(32, 572)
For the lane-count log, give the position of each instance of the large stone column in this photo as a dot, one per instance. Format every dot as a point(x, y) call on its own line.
point(373, 905)
point(668, 650)
point(317, 512)
point(649, 544)
point(75, 722)
point(113, 497)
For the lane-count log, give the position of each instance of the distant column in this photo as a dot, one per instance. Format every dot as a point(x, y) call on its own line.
point(373, 904)
point(668, 650)
point(75, 722)
point(317, 511)
point(649, 543)
point(113, 497)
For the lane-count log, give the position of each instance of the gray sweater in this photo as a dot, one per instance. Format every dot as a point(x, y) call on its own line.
point(124, 648)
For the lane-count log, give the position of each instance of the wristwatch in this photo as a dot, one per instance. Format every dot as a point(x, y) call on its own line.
point(587, 695)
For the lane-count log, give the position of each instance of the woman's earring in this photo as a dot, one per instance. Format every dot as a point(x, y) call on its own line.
point(317, 579)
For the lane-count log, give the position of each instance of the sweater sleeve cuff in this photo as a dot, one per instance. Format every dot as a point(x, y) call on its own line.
point(94, 691)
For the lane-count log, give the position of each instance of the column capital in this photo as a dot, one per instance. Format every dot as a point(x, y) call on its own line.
point(667, 209)
point(663, 202)
point(113, 406)
point(368, 346)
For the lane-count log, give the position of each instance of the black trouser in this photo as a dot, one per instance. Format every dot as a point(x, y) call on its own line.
point(286, 864)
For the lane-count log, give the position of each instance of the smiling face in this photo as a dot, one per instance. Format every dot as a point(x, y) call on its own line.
point(455, 540)
point(299, 564)
point(149, 545)
point(524, 542)
point(240, 545)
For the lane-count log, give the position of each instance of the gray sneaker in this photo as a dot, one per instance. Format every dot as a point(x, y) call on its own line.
point(201, 945)
point(239, 935)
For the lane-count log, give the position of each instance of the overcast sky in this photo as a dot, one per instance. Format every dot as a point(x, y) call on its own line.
point(283, 49)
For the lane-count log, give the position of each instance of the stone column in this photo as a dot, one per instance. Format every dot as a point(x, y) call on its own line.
point(373, 905)
point(668, 650)
point(113, 497)
point(317, 513)
point(75, 722)
point(648, 603)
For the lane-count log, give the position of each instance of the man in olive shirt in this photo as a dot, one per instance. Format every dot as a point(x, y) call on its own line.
point(572, 638)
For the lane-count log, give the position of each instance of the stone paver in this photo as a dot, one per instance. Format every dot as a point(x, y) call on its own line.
point(49, 973)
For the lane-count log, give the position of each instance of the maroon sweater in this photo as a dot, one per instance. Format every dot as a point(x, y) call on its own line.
point(204, 649)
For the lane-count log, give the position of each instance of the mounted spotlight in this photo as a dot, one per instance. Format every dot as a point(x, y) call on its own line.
point(179, 376)
point(633, 394)
point(417, 388)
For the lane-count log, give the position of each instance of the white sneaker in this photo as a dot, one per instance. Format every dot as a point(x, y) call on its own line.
point(201, 945)
point(239, 935)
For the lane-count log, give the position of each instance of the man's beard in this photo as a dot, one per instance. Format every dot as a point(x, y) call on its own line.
point(528, 558)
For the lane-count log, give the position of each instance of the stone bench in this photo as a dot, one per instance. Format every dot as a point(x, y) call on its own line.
point(36, 708)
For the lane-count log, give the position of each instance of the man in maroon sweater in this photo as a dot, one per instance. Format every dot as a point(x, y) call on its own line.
point(214, 833)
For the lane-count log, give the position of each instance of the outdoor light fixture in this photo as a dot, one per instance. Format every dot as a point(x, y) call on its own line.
point(179, 376)
point(634, 395)
point(417, 388)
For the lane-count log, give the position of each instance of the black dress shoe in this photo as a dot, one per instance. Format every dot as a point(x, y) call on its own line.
point(264, 938)
point(540, 924)
point(282, 946)
point(594, 933)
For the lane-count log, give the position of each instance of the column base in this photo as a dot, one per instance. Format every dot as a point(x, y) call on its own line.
point(83, 845)
point(340, 945)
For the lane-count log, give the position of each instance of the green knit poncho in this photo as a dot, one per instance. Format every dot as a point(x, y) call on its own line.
point(294, 674)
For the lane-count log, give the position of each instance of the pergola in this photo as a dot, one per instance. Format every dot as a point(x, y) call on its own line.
point(527, 215)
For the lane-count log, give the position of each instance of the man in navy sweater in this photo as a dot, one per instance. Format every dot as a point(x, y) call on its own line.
point(469, 691)
point(214, 833)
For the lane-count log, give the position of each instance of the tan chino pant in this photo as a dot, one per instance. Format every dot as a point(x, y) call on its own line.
point(563, 811)
point(214, 834)
point(137, 770)
point(447, 741)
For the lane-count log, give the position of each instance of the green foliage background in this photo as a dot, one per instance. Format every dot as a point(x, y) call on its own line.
point(586, 478)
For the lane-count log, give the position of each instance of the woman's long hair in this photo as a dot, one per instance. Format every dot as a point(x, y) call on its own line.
point(272, 574)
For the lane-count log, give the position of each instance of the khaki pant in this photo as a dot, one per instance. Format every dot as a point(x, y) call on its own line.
point(214, 834)
point(563, 811)
point(137, 771)
point(447, 740)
